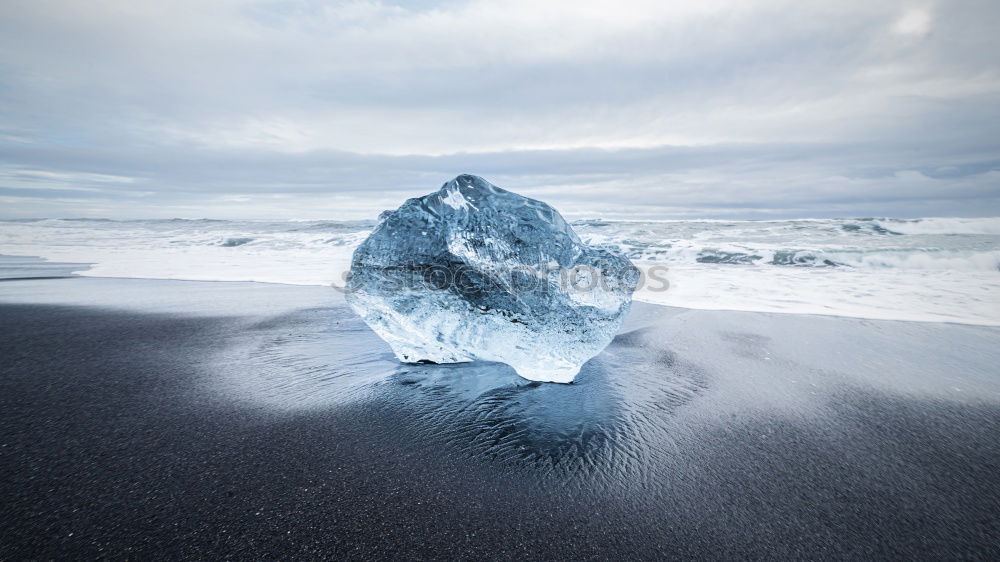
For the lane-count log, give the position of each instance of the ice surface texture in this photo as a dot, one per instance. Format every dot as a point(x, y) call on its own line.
point(473, 271)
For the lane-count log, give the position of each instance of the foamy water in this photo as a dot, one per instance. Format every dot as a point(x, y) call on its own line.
point(931, 269)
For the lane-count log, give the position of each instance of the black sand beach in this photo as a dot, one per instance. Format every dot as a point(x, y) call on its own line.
point(165, 419)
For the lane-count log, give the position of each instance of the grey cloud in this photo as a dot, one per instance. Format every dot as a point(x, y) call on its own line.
point(252, 108)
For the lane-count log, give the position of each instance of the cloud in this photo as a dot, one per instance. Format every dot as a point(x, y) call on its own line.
point(649, 107)
point(914, 21)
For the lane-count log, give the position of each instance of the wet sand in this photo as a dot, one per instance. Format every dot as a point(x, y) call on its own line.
point(204, 420)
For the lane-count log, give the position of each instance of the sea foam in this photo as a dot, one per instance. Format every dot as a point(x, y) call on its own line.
point(933, 269)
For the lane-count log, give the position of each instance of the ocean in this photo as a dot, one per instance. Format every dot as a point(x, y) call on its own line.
point(923, 269)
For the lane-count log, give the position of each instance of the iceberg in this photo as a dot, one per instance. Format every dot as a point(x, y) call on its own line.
point(476, 272)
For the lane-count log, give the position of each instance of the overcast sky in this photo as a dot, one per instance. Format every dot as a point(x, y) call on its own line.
point(659, 109)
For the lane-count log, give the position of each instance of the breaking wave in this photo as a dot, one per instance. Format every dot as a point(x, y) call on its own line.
point(920, 258)
point(865, 243)
point(924, 268)
point(236, 241)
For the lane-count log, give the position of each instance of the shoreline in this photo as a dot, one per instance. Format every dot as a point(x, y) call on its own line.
point(638, 297)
